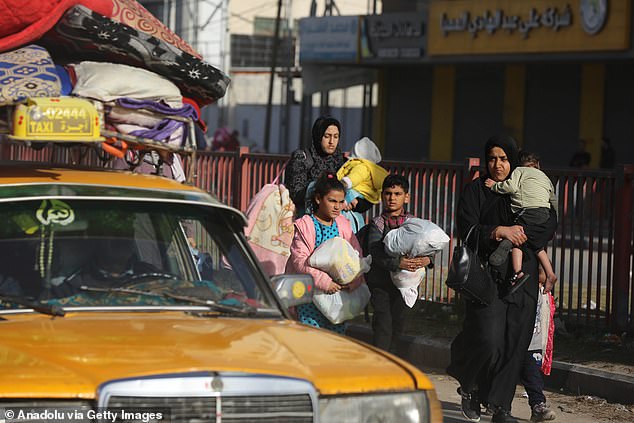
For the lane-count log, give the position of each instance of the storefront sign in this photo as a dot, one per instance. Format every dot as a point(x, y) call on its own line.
point(491, 22)
point(329, 38)
point(393, 36)
point(536, 26)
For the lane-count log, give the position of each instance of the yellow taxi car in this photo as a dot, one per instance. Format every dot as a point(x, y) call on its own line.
point(122, 291)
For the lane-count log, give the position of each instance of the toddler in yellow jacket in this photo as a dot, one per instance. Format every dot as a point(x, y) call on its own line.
point(362, 176)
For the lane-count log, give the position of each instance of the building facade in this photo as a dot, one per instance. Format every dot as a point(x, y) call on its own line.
point(451, 73)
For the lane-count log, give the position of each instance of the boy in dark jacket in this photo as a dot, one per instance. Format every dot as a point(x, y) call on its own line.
point(389, 307)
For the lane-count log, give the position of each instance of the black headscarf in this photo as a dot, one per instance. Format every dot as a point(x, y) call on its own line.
point(301, 169)
point(319, 129)
point(507, 144)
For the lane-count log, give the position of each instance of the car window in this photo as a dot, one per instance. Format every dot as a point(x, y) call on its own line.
point(84, 253)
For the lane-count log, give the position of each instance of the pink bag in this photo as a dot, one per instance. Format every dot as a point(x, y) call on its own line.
point(270, 228)
point(547, 360)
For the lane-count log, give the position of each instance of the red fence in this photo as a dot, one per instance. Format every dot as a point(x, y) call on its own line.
point(592, 251)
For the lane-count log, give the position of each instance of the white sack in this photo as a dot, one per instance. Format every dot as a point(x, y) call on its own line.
point(407, 283)
point(340, 260)
point(108, 81)
point(407, 279)
point(414, 238)
point(343, 305)
point(542, 323)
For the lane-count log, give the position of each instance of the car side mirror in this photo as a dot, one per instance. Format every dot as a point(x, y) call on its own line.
point(293, 290)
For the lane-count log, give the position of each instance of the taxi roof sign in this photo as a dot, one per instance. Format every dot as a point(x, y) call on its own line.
point(56, 119)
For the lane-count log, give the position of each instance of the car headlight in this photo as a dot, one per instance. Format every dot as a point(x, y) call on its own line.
point(411, 407)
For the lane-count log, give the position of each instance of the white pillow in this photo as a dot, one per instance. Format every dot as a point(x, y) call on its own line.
point(108, 81)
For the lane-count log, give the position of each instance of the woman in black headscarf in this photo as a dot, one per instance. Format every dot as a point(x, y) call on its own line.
point(486, 355)
point(306, 165)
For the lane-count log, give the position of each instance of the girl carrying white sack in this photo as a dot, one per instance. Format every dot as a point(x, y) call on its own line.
point(341, 290)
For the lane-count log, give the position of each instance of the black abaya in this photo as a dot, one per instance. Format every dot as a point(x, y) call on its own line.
point(486, 356)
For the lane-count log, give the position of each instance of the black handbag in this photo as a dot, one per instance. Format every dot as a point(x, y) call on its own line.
point(468, 276)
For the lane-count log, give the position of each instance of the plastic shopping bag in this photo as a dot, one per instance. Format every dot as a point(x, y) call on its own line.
point(407, 279)
point(407, 283)
point(416, 237)
point(343, 305)
point(339, 260)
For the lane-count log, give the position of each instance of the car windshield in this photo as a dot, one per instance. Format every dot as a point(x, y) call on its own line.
point(57, 254)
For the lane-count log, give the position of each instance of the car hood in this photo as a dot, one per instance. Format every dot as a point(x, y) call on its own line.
point(44, 357)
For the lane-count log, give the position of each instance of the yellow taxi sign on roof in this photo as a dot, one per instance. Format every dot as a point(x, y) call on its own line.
point(57, 119)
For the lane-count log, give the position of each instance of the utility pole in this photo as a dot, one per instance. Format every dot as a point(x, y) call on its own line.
point(324, 101)
point(288, 89)
point(269, 103)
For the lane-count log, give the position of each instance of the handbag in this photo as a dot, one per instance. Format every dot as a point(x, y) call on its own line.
point(468, 276)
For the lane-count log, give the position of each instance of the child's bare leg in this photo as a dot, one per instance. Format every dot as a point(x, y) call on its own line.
point(519, 277)
point(516, 260)
point(551, 278)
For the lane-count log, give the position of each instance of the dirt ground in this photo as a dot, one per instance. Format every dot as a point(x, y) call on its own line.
point(580, 345)
point(598, 408)
point(584, 346)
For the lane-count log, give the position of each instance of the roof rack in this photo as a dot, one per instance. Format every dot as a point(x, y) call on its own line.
point(71, 121)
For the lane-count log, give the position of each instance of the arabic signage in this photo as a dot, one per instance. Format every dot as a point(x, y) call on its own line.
point(329, 38)
point(393, 36)
point(535, 26)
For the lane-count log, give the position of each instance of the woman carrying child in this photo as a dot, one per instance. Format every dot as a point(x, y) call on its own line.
point(311, 231)
point(486, 356)
point(532, 197)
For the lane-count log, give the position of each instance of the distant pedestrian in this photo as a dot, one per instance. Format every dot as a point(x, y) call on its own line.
point(390, 309)
point(608, 155)
point(225, 139)
point(581, 158)
point(311, 231)
point(306, 165)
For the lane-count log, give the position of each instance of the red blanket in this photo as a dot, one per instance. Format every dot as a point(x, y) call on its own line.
point(21, 25)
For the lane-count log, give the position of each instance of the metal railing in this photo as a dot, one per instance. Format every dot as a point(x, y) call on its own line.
point(592, 251)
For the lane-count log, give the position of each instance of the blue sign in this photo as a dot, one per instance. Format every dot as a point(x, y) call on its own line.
point(329, 39)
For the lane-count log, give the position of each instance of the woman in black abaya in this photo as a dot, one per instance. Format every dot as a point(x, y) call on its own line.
point(306, 165)
point(486, 356)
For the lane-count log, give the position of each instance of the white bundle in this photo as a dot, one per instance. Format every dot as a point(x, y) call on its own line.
point(339, 260)
point(342, 305)
point(108, 81)
point(414, 238)
point(407, 283)
point(408, 279)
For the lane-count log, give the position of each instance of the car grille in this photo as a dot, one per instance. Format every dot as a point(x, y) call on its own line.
point(265, 409)
point(214, 397)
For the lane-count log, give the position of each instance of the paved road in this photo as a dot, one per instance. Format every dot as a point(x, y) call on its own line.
point(446, 390)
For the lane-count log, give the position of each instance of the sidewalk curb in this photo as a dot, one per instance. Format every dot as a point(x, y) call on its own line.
point(425, 351)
